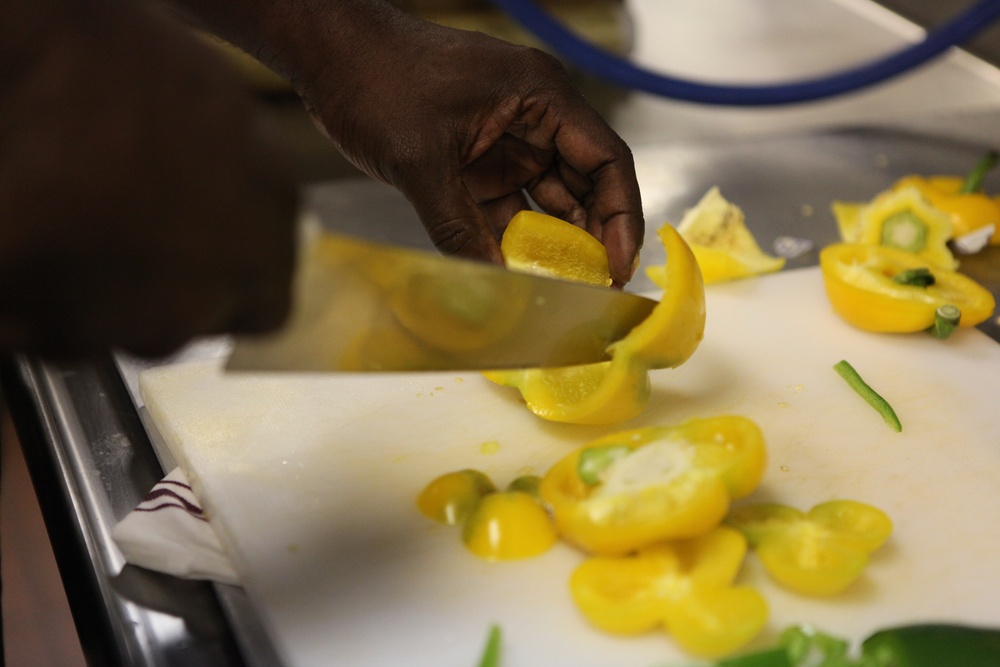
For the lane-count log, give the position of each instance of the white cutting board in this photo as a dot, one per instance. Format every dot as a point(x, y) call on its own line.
point(311, 481)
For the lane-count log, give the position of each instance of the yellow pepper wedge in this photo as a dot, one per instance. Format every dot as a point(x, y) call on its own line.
point(724, 247)
point(820, 552)
point(860, 284)
point(684, 587)
point(616, 390)
point(636, 488)
point(537, 243)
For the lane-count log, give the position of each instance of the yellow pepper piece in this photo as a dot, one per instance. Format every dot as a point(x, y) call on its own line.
point(495, 525)
point(510, 525)
point(684, 587)
point(904, 219)
point(848, 216)
point(859, 283)
point(820, 552)
point(451, 498)
point(673, 331)
point(616, 390)
point(605, 393)
point(538, 243)
point(968, 211)
point(632, 489)
point(725, 249)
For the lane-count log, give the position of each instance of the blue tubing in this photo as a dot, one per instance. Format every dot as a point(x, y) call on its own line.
point(624, 73)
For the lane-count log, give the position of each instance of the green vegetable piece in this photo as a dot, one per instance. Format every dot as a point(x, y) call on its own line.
point(921, 277)
point(595, 460)
point(774, 657)
point(872, 397)
point(905, 231)
point(526, 484)
point(491, 652)
point(932, 645)
point(974, 181)
point(806, 646)
point(946, 318)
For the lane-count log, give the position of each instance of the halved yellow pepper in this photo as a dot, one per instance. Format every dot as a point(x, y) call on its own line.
point(685, 587)
point(820, 552)
point(508, 525)
point(632, 489)
point(860, 284)
point(496, 525)
point(616, 390)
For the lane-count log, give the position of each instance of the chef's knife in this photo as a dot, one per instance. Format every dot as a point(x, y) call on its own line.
point(363, 306)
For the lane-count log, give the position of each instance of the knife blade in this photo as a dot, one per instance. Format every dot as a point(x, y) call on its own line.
point(364, 306)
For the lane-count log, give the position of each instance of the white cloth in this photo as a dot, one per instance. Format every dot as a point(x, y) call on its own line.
point(168, 532)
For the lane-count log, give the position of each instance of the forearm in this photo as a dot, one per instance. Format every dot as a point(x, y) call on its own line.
point(305, 41)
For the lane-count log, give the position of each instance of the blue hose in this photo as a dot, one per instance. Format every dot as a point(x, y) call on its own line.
point(624, 73)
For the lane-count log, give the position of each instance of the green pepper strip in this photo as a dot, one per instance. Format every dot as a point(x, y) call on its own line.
point(872, 397)
point(491, 654)
point(974, 181)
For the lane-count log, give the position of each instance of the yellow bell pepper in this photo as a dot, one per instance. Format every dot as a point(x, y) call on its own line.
point(632, 489)
point(509, 525)
point(496, 525)
point(537, 243)
point(864, 287)
point(616, 390)
point(820, 552)
point(904, 219)
point(684, 587)
point(451, 498)
point(962, 199)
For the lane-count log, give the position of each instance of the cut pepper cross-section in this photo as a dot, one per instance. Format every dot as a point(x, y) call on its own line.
point(636, 488)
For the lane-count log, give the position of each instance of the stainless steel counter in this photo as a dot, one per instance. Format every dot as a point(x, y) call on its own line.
point(92, 458)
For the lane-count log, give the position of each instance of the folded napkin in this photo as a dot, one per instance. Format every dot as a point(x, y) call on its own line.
point(168, 532)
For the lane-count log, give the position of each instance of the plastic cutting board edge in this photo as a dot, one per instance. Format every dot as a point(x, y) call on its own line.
point(310, 481)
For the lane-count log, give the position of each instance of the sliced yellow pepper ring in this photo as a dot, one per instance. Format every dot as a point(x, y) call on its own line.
point(820, 552)
point(616, 390)
point(901, 218)
point(720, 240)
point(508, 526)
point(859, 281)
point(684, 587)
point(671, 483)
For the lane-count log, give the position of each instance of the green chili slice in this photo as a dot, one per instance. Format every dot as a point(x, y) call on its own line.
point(491, 652)
point(946, 318)
point(872, 397)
